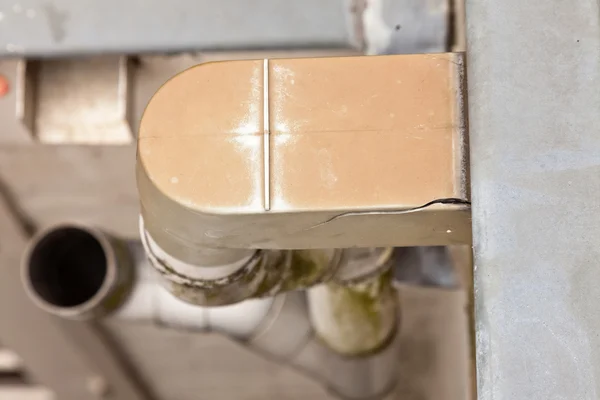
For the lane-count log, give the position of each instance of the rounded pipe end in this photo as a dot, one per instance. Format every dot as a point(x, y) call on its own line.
point(76, 272)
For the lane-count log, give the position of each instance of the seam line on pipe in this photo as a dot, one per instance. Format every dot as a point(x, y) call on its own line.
point(266, 137)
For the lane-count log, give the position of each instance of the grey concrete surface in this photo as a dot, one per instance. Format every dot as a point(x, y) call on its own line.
point(62, 355)
point(87, 184)
point(534, 110)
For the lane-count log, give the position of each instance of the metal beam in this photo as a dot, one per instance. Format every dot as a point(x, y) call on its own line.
point(64, 27)
point(534, 108)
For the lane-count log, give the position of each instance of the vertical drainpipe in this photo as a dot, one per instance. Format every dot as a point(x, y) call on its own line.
point(356, 319)
point(357, 300)
point(356, 316)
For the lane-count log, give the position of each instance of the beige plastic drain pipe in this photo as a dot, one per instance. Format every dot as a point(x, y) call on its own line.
point(238, 160)
point(315, 153)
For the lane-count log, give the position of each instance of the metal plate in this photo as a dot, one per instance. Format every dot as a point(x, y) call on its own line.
point(63, 27)
point(534, 108)
point(66, 27)
point(407, 26)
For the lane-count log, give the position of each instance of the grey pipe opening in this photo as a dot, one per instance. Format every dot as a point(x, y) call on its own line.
point(67, 267)
point(72, 271)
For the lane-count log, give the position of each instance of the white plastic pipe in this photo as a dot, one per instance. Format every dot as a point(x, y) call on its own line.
point(192, 270)
point(150, 301)
point(357, 316)
point(58, 260)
